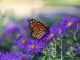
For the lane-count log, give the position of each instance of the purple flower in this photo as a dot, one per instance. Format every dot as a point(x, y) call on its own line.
point(14, 56)
point(11, 29)
point(22, 42)
point(60, 30)
point(53, 32)
point(22, 56)
point(70, 23)
point(8, 56)
point(18, 38)
point(46, 38)
point(78, 49)
point(34, 47)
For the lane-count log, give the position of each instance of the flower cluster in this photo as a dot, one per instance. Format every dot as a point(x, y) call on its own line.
point(36, 46)
point(32, 46)
point(12, 56)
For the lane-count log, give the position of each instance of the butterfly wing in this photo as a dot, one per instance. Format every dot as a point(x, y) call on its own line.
point(36, 25)
point(38, 29)
point(38, 34)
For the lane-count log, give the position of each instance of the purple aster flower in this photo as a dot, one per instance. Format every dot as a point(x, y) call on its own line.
point(11, 29)
point(14, 56)
point(70, 23)
point(60, 29)
point(22, 56)
point(46, 38)
point(78, 49)
point(18, 37)
point(8, 56)
point(34, 47)
point(22, 42)
point(53, 32)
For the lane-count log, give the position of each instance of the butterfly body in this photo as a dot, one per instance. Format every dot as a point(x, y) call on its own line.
point(38, 30)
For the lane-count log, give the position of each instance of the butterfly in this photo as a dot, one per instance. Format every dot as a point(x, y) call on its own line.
point(38, 29)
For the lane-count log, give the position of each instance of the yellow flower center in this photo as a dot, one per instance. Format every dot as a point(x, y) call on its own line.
point(32, 47)
point(70, 24)
point(23, 42)
point(51, 35)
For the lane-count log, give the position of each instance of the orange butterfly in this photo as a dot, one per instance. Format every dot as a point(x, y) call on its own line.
point(38, 29)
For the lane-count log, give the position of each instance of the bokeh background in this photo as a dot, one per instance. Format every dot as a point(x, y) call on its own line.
point(43, 9)
point(38, 8)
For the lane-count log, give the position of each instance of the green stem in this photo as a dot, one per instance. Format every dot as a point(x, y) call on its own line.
point(75, 36)
point(61, 50)
point(54, 50)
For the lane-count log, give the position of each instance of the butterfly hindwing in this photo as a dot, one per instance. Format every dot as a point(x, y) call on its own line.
point(38, 34)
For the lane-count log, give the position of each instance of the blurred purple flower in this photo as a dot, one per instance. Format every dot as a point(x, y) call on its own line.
point(78, 49)
point(14, 56)
point(34, 47)
point(61, 29)
point(18, 37)
point(22, 56)
point(25, 29)
point(25, 24)
point(8, 56)
point(11, 28)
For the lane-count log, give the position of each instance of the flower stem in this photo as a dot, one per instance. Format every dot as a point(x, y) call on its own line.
point(61, 50)
point(54, 49)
